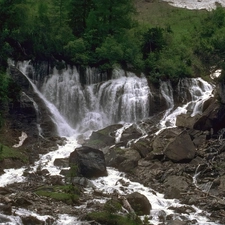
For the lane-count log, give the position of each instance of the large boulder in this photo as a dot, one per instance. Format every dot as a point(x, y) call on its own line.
point(124, 159)
point(139, 203)
point(163, 138)
point(90, 162)
point(181, 148)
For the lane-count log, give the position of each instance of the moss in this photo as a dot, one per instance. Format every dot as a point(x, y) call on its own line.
point(105, 217)
point(67, 193)
point(7, 152)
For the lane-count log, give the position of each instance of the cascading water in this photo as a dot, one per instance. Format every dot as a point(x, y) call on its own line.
point(62, 126)
point(122, 99)
point(191, 92)
point(91, 107)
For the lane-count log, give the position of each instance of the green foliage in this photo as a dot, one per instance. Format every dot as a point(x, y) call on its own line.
point(167, 43)
point(67, 194)
point(105, 217)
point(10, 153)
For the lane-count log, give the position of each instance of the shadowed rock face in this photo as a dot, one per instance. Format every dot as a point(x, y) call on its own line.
point(23, 114)
point(90, 162)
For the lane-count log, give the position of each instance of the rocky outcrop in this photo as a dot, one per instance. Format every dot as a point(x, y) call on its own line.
point(90, 162)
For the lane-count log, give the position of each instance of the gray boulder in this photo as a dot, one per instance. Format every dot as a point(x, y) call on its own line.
point(139, 203)
point(181, 148)
point(90, 162)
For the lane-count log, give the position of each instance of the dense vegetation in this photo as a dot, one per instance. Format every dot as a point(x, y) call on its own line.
point(162, 41)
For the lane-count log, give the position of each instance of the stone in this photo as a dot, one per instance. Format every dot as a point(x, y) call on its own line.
point(139, 203)
point(181, 148)
point(178, 182)
point(163, 138)
point(172, 192)
point(61, 162)
point(102, 138)
point(90, 162)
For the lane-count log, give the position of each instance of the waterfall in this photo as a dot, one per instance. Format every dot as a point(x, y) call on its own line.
point(96, 105)
point(192, 92)
point(63, 127)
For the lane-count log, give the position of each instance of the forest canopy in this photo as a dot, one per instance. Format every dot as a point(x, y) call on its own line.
point(167, 43)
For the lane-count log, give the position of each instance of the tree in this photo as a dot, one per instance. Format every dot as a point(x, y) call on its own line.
point(78, 14)
point(110, 17)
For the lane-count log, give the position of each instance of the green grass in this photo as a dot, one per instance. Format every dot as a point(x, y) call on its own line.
point(161, 14)
point(66, 193)
point(7, 152)
point(112, 219)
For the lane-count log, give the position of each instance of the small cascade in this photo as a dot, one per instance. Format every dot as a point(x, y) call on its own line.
point(204, 187)
point(192, 92)
point(62, 126)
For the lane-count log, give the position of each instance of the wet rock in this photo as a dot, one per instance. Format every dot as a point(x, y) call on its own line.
point(90, 162)
point(32, 220)
point(177, 222)
point(186, 120)
point(4, 219)
point(102, 138)
point(181, 148)
point(132, 132)
point(61, 162)
point(82, 181)
point(6, 209)
point(139, 203)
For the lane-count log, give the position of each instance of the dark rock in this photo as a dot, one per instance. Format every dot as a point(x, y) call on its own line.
point(132, 132)
point(179, 182)
point(143, 146)
point(212, 118)
point(139, 203)
point(102, 138)
point(55, 180)
point(181, 148)
point(22, 202)
point(90, 162)
point(163, 138)
point(30, 220)
point(61, 163)
point(177, 222)
point(172, 192)
point(186, 120)
point(82, 181)
point(6, 209)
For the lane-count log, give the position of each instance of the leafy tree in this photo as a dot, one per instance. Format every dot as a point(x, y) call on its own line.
point(153, 40)
point(78, 14)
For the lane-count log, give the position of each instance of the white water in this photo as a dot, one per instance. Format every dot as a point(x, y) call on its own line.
point(196, 4)
point(94, 106)
point(63, 127)
point(102, 104)
point(196, 89)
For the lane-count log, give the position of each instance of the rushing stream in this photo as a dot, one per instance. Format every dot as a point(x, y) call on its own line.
point(81, 109)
